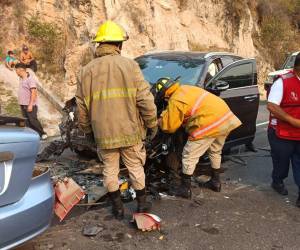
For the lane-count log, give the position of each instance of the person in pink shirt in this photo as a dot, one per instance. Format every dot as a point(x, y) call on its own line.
point(28, 99)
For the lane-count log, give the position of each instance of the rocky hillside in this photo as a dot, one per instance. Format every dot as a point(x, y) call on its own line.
point(60, 31)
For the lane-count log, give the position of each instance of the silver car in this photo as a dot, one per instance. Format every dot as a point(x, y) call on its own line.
point(26, 195)
point(288, 65)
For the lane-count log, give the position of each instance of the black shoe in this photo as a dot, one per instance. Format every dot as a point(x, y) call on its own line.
point(298, 201)
point(184, 189)
point(279, 188)
point(117, 204)
point(250, 147)
point(143, 206)
point(214, 183)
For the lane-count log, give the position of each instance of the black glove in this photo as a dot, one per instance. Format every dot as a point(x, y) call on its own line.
point(152, 132)
point(90, 138)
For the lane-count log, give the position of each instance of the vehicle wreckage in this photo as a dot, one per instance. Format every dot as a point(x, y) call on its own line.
point(162, 155)
point(163, 163)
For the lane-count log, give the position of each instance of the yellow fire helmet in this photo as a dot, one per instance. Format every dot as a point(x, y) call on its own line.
point(109, 31)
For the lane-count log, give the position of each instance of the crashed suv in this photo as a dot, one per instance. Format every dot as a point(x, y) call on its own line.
point(231, 77)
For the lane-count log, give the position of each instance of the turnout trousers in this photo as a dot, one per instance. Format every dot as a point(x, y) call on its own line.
point(133, 157)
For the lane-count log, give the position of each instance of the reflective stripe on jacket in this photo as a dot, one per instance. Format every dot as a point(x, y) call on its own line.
point(203, 114)
point(114, 100)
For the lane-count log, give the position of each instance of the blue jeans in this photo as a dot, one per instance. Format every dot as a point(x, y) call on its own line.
point(283, 152)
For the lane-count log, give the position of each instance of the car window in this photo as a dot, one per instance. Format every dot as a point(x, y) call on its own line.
point(188, 69)
point(213, 68)
point(238, 76)
point(226, 60)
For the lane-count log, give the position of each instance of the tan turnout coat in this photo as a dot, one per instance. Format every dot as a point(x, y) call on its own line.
point(114, 100)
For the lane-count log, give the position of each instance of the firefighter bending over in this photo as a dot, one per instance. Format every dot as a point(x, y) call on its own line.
point(208, 121)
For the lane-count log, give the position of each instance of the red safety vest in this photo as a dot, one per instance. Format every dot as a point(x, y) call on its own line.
point(290, 104)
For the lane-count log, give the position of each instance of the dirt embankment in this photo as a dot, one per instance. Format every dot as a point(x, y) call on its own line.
point(9, 85)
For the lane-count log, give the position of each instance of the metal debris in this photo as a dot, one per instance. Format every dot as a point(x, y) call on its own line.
point(167, 197)
point(90, 230)
point(95, 193)
point(127, 192)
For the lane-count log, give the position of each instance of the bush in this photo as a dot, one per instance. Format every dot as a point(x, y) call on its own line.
point(235, 12)
point(48, 36)
point(279, 27)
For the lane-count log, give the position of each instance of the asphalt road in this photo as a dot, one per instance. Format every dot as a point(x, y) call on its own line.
point(247, 214)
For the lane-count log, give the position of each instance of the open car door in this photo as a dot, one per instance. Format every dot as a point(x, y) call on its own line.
point(241, 95)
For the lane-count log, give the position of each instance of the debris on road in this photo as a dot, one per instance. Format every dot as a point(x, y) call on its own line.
point(164, 196)
point(95, 169)
point(95, 193)
point(127, 192)
point(91, 230)
point(68, 193)
point(129, 236)
point(147, 222)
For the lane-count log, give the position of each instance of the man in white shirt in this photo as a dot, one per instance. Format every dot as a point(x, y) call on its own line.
point(284, 129)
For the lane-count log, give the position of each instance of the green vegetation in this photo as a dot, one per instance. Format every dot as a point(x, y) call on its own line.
point(2, 53)
point(279, 22)
point(48, 36)
point(12, 107)
point(9, 103)
point(235, 11)
point(280, 27)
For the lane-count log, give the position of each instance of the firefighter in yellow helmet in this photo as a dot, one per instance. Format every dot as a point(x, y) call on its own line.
point(115, 103)
point(207, 120)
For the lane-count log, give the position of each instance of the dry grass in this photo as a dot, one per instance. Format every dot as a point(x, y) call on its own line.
point(280, 31)
point(200, 47)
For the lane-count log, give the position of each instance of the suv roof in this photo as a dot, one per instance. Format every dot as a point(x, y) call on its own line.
point(192, 54)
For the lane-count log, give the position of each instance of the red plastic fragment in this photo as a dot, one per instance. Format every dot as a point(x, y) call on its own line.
point(67, 194)
point(147, 222)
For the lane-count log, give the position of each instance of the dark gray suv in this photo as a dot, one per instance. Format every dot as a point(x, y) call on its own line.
point(211, 71)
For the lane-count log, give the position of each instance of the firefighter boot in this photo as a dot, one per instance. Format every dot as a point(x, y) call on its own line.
point(143, 205)
point(215, 182)
point(117, 204)
point(184, 189)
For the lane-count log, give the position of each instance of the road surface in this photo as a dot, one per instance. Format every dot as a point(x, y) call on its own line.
point(247, 214)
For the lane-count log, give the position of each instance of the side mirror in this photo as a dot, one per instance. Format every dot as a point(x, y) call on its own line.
point(221, 86)
point(217, 87)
